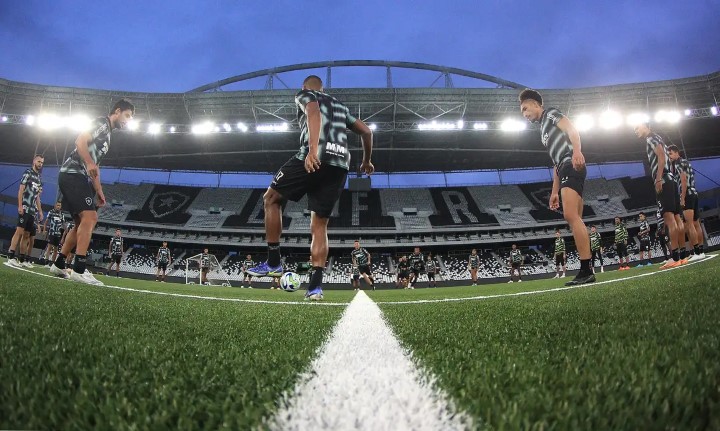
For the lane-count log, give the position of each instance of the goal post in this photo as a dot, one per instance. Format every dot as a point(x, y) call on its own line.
point(216, 275)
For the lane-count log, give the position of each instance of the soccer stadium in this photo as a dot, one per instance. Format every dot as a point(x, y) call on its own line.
point(458, 169)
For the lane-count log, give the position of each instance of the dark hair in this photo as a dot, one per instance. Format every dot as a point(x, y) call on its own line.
point(557, 230)
point(38, 155)
point(528, 94)
point(123, 105)
point(313, 78)
point(673, 148)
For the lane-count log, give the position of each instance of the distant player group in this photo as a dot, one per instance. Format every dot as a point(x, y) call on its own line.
point(319, 170)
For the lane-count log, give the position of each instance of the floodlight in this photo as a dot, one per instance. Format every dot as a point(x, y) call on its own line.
point(242, 127)
point(637, 118)
point(227, 127)
point(460, 124)
point(203, 128)
point(714, 110)
point(78, 123)
point(30, 120)
point(4, 119)
point(172, 129)
point(154, 128)
point(610, 120)
point(584, 122)
point(49, 121)
point(663, 116)
point(688, 112)
point(272, 127)
point(372, 126)
point(133, 124)
point(480, 126)
point(512, 125)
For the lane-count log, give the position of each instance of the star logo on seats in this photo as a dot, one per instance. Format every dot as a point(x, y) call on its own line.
point(164, 204)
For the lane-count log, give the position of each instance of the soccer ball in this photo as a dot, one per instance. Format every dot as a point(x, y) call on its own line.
point(290, 282)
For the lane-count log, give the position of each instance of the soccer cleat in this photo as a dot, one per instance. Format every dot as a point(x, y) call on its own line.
point(702, 255)
point(671, 264)
point(314, 295)
point(86, 277)
point(14, 262)
point(27, 264)
point(557, 276)
point(581, 279)
point(510, 281)
point(264, 269)
point(684, 261)
point(564, 275)
point(694, 258)
point(520, 281)
point(62, 273)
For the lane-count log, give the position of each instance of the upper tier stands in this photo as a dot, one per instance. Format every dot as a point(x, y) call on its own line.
point(391, 210)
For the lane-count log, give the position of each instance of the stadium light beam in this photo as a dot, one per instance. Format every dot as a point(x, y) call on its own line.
point(512, 125)
point(49, 121)
point(133, 125)
point(203, 128)
point(172, 129)
point(227, 127)
point(373, 126)
point(610, 120)
point(154, 128)
point(688, 112)
point(480, 126)
point(439, 125)
point(78, 123)
point(242, 127)
point(4, 119)
point(272, 127)
point(714, 110)
point(30, 120)
point(637, 118)
point(584, 122)
point(671, 117)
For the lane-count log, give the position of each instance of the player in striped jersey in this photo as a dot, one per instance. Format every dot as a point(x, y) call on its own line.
point(431, 268)
point(246, 265)
point(82, 194)
point(688, 201)
point(644, 237)
point(562, 141)
point(115, 251)
point(163, 259)
point(596, 248)
point(560, 255)
point(28, 199)
point(665, 189)
point(361, 259)
point(515, 260)
point(621, 238)
point(473, 265)
point(53, 227)
point(661, 235)
point(417, 266)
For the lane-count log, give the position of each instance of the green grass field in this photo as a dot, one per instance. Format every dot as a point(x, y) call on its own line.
point(634, 354)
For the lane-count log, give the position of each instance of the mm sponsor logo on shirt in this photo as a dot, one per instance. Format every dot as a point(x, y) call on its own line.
point(335, 148)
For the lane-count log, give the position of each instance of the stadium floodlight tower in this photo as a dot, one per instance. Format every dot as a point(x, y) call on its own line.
point(216, 275)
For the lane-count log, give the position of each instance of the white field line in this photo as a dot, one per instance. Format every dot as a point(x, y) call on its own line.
point(363, 379)
point(416, 301)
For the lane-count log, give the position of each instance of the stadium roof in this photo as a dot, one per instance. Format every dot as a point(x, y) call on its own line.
point(256, 130)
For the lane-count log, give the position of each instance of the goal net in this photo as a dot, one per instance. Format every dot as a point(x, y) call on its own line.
point(216, 275)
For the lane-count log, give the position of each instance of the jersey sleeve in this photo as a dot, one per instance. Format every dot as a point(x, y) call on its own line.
point(98, 128)
point(303, 98)
point(554, 115)
point(25, 178)
point(349, 118)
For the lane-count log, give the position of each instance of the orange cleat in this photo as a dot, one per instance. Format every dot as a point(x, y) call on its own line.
point(671, 264)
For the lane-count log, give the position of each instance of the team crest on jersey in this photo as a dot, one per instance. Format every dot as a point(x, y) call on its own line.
point(163, 204)
point(545, 138)
point(88, 201)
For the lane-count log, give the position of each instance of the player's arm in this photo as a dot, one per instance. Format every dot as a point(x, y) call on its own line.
point(314, 123)
point(555, 193)
point(683, 187)
point(369, 257)
point(578, 160)
point(38, 205)
point(81, 144)
point(660, 153)
point(44, 226)
point(366, 136)
point(354, 261)
point(21, 191)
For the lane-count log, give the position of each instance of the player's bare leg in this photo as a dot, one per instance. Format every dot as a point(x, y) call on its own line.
point(572, 204)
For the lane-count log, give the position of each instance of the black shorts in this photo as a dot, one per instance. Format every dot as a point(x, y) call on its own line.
point(76, 193)
point(571, 178)
point(26, 222)
point(116, 258)
point(54, 240)
point(559, 259)
point(515, 265)
point(416, 272)
point(431, 276)
point(596, 254)
point(163, 266)
point(364, 269)
point(403, 275)
point(323, 187)
point(691, 203)
point(669, 198)
point(621, 248)
point(356, 277)
point(474, 267)
point(645, 244)
point(248, 275)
